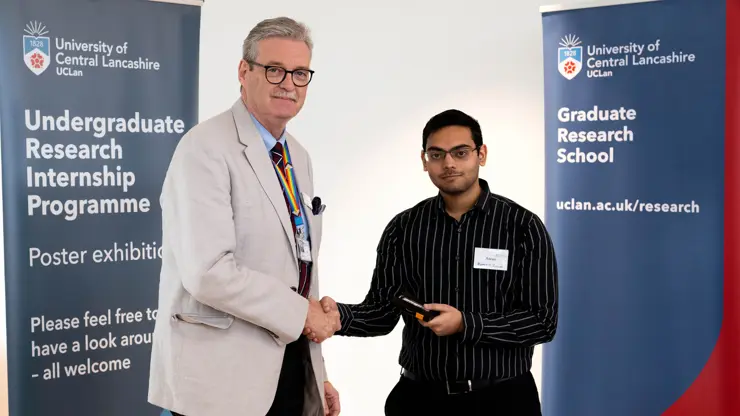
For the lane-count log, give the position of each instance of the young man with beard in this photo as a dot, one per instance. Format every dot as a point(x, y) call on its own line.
point(485, 263)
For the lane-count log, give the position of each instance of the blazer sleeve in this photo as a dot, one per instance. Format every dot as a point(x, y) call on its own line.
point(198, 217)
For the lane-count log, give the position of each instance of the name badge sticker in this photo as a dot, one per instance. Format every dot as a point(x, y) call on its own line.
point(491, 259)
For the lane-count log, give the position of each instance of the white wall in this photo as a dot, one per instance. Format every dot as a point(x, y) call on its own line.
point(382, 69)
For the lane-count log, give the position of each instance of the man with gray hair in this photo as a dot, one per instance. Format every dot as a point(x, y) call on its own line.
point(241, 233)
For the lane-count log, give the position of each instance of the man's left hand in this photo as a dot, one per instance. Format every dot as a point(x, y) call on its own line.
point(331, 400)
point(448, 322)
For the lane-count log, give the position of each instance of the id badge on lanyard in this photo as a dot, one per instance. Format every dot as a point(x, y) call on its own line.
point(304, 247)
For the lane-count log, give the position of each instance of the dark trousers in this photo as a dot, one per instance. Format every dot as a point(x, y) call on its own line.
point(291, 385)
point(514, 397)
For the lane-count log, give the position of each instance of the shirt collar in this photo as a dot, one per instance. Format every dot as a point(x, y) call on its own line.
point(483, 204)
point(267, 137)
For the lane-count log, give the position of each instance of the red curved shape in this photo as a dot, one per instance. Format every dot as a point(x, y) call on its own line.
point(716, 392)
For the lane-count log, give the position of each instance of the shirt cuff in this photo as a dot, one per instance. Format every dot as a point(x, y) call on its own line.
point(472, 327)
point(345, 317)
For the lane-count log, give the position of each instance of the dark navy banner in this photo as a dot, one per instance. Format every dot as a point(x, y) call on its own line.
point(635, 192)
point(94, 96)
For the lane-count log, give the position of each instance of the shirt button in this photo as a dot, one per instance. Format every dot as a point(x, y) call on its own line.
point(459, 229)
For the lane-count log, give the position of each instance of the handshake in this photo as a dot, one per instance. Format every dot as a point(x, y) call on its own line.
point(322, 320)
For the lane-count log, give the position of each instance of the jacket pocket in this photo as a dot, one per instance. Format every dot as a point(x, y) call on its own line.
point(215, 321)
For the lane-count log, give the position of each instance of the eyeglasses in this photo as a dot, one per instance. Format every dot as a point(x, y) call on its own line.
point(276, 74)
point(457, 153)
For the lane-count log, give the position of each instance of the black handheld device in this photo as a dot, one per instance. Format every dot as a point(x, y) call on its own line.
point(411, 305)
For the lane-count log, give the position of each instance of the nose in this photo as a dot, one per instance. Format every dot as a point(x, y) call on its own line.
point(287, 83)
point(448, 161)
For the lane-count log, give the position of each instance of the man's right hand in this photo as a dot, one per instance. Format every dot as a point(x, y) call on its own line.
point(329, 305)
point(319, 324)
point(331, 309)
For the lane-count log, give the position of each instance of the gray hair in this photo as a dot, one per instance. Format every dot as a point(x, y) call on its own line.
point(280, 27)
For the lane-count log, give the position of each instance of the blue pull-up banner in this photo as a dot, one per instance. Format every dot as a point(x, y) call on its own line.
point(637, 167)
point(94, 96)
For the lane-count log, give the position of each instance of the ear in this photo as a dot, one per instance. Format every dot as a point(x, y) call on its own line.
point(482, 154)
point(242, 71)
point(423, 161)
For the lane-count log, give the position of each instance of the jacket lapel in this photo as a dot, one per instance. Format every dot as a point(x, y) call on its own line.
point(259, 159)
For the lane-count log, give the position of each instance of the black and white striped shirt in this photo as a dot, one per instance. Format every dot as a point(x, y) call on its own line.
point(428, 254)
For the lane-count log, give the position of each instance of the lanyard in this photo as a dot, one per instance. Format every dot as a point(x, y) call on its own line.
point(288, 182)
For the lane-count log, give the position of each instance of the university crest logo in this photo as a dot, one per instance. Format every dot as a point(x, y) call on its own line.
point(570, 57)
point(36, 48)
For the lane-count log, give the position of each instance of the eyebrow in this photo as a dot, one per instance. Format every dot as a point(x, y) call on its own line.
point(453, 148)
point(278, 63)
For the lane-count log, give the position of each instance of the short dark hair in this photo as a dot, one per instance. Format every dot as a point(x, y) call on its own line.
point(448, 118)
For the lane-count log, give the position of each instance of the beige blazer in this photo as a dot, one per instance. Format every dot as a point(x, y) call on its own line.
point(227, 300)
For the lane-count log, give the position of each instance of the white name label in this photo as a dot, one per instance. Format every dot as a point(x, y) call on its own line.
point(491, 259)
